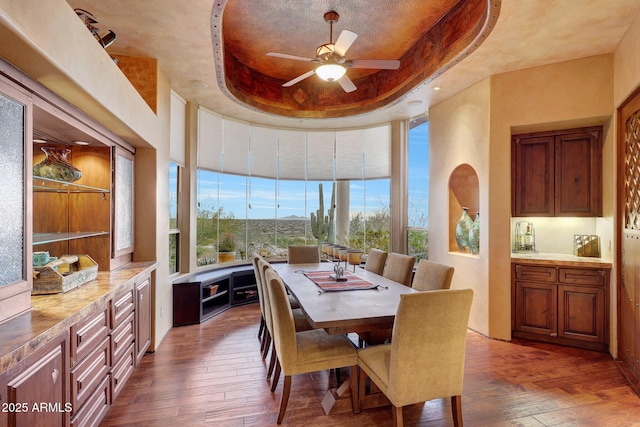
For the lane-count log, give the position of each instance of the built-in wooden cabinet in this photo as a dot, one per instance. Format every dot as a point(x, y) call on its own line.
point(200, 296)
point(559, 304)
point(143, 316)
point(557, 173)
point(35, 392)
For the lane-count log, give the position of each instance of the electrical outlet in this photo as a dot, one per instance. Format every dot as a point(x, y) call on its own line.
point(161, 311)
point(609, 246)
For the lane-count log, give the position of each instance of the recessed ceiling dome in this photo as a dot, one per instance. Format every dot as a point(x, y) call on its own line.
point(426, 38)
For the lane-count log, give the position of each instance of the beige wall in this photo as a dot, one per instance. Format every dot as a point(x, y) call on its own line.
point(475, 127)
point(458, 134)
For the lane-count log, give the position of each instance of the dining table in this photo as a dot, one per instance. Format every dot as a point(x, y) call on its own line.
point(364, 302)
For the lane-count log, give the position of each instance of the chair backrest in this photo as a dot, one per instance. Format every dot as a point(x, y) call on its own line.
point(428, 346)
point(375, 261)
point(399, 268)
point(431, 276)
point(303, 254)
point(268, 318)
point(284, 328)
point(255, 258)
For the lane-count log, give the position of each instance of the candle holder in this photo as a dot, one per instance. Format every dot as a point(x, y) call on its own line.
point(354, 257)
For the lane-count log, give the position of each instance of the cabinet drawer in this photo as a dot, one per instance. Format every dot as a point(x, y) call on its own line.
point(95, 407)
point(122, 305)
point(87, 334)
point(86, 376)
point(121, 337)
point(535, 273)
point(122, 370)
point(575, 276)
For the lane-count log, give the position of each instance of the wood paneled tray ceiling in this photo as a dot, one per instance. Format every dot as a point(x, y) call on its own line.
point(427, 37)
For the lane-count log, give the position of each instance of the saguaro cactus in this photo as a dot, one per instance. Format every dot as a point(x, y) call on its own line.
point(321, 224)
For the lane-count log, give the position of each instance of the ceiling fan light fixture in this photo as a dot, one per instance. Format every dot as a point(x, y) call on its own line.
point(330, 72)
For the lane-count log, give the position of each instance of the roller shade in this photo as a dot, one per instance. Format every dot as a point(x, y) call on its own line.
point(178, 111)
point(236, 147)
point(264, 152)
point(209, 141)
point(292, 155)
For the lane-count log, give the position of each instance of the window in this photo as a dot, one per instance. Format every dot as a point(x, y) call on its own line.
point(418, 190)
point(174, 220)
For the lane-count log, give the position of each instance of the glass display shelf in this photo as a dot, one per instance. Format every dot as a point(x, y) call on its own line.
point(43, 238)
point(41, 184)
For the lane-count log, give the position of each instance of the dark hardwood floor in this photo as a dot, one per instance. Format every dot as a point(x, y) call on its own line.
point(212, 375)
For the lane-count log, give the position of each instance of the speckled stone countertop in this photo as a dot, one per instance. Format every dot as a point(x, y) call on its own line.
point(565, 260)
point(51, 315)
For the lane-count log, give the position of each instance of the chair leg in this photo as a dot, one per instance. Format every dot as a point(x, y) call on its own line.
point(276, 376)
point(261, 329)
point(285, 397)
point(265, 346)
point(397, 416)
point(272, 362)
point(456, 409)
point(353, 377)
point(362, 388)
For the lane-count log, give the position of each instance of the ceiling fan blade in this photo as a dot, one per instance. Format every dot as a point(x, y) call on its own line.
point(299, 78)
point(286, 56)
point(346, 84)
point(380, 64)
point(344, 42)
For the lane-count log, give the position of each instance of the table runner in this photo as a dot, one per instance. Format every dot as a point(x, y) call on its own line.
point(323, 280)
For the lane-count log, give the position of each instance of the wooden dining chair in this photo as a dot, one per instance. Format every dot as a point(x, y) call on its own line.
point(303, 254)
point(425, 360)
point(376, 259)
point(300, 322)
point(431, 276)
point(399, 268)
point(306, 351)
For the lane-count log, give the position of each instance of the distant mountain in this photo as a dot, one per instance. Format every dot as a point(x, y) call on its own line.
point(293, 217)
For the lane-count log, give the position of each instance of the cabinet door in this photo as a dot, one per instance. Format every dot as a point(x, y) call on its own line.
point(123, 203)
point(15, 163)
point(532, 171)
point(536, 308)
point(143, 317)
point(40, 380)
point(578, 164)
point(581, 311)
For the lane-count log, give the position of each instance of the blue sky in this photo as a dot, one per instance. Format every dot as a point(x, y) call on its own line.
point(255, 197)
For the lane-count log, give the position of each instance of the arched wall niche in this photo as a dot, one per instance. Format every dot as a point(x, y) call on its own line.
point(463, 192)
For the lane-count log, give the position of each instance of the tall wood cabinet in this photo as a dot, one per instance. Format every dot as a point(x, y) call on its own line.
point(557, 173)
point(629, 232)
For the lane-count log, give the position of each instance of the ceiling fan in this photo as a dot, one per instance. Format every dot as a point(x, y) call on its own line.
point(331, 60)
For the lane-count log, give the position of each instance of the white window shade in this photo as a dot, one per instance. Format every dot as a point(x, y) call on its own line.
point(236, 147)
point(292, 154)
point(349, 154)
point(209, 140)
point(320, 156)
point(377, 152)
point(177, 129)
point(264, 152)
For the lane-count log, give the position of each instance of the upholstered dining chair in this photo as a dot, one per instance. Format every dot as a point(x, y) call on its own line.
point(431, 276)
point(303, 254)
point(425, 360)
point(263, 328)
point(299, 319)
point(306, 351)
point(376, 259)
point(399, 268)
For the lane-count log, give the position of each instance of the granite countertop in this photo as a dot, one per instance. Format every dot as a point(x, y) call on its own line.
point(51, 315)
point(566, 260)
